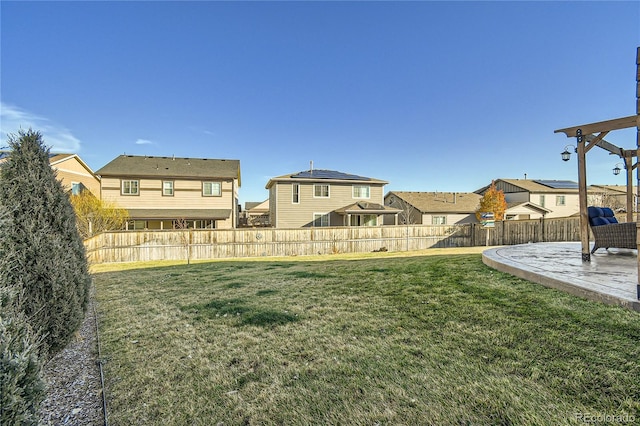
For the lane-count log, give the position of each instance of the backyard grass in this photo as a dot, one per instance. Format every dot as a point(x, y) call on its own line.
point(435, 340)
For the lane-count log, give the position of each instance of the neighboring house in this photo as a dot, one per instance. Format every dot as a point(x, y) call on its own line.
point(434, 208)
point(170, 192)
point(326, 198)
point(256, 213)
point(74, 174)
point(533, 199)
point(71, 171)
point(613, 196)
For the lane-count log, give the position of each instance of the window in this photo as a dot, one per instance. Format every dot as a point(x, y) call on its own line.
point(167, 188)
point(542, 200)
point(130, 187)
point(361, 191)
point(320, 219)
point(135, 225)
point(438, 220)
point(560, 200)
point(295, 193)
point(212, 189)
point(321, 190)
point(364, 220)
point(76, 188)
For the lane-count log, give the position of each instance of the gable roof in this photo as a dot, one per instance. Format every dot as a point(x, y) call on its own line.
point(158, 167)
point(533, 185)
point(440, 202)
point(365, 207)
point(319, 175)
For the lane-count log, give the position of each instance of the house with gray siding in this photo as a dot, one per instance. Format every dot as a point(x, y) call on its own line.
point(317, 198)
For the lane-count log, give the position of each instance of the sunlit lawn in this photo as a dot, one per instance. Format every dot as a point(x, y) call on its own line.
point(414, 340)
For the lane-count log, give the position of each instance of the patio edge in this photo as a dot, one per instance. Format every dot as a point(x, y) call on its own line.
point(495, 263)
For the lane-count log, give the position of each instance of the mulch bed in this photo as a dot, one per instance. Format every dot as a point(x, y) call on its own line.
point(74, 390)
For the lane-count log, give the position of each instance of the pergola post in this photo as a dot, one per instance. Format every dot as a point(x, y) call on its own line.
point(582, 196)
point(638, 153)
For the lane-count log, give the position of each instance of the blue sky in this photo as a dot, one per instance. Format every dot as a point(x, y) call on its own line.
point(427, 95)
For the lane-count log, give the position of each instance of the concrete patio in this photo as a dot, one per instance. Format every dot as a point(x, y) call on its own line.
point(611, 277)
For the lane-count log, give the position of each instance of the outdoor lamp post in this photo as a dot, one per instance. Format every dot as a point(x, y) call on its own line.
point(566, 155)
point(616, 169)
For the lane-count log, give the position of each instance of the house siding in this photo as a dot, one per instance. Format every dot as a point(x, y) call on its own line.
point(187, 194)
point(71, 170)
point(286, 214)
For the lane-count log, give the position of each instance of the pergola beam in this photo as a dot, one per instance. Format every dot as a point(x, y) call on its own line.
point(602, 126)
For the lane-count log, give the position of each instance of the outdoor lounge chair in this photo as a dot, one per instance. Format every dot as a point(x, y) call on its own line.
point(607, 232)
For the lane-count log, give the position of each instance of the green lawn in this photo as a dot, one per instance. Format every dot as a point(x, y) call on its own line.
point(436, 340)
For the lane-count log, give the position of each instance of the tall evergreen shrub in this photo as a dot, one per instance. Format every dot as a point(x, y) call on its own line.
point(47, 257)
point(21, 383)
point(22, 388)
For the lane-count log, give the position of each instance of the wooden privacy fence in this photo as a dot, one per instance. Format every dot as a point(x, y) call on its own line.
point(132, 246)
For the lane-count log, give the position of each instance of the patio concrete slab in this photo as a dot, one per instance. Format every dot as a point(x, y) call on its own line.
point(611, 276)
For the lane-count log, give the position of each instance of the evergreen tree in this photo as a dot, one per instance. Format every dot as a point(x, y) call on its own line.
point(21, 383)
point(45, 252)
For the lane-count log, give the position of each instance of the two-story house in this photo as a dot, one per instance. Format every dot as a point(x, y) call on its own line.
point(533, 199)
point(170, 192)
point(434, 208)
point(326, 198)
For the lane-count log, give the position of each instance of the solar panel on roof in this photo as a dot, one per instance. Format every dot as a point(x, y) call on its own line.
point(327, 174)
point(558, 184)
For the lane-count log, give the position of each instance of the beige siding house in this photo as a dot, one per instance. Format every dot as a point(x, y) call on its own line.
point(170, 192)
point(533, 199)
point(256, 213)
point(74, 174)
point(326, 198)
point(434, 208)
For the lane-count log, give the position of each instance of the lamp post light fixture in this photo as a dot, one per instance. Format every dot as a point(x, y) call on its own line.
point(566, 155)
point(616, 169)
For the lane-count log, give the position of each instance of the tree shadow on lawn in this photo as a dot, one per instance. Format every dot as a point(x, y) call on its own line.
point(237, 308)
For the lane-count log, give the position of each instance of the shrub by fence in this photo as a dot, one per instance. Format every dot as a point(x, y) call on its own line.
point(131, 246)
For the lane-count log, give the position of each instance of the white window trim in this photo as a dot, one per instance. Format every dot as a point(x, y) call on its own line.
point(322, 184)
point(433, 219)
point(353, 189)
point(130, 193)
point(212, 194)
point(172, 188)
point(563, 198)
point(321, 215)
point(293, 193)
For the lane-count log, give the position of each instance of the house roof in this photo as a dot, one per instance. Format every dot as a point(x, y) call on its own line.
point(257, 205)
point(622, 189)
point(365, 207)
point(440, 202)
point(318, 175)
point(155, 167)
point(179, 213)
point(528, 205)
point(536, 185)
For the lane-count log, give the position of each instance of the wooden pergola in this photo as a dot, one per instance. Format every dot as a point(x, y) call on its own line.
point(593, 134)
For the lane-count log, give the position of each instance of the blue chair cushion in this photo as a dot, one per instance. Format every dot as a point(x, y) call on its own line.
point(597, 221)
point(607, 212)
point(595, 212)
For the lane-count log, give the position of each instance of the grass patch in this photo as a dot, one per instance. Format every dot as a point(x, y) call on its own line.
point(391, 340)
